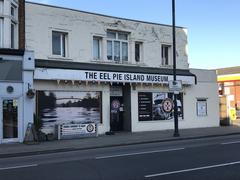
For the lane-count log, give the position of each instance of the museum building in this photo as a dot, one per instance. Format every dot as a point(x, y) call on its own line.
point(114, 72)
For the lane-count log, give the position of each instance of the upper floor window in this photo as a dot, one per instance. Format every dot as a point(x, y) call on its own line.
point(97, 41)
point(13, 11)
point(117, 46)
point(166, 51)
point(59, 43)
point(1, 6)
point(13, 35)
point(138, 51)
point(1, 32)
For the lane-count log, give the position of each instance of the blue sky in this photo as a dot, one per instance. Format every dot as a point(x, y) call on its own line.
point(213, 25)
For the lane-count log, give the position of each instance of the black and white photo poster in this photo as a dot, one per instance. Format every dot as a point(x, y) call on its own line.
point(64, 107)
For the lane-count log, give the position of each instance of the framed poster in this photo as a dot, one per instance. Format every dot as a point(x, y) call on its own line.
point(202, 107)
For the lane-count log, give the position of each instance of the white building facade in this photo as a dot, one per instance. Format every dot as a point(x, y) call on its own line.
point(114, 72)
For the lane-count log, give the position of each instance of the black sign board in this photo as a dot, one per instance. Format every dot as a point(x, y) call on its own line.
point(145, 106)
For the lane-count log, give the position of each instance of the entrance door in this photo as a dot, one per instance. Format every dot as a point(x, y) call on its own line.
point(116, 117)
point(10, 120)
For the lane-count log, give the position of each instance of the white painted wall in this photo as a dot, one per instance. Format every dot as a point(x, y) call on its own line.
point(81, 27)
point(28, 104)
point(54, 86)
point(205, 88)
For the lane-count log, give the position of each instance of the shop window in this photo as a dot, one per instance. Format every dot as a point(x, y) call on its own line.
point(221, 89)
point(201, 107)
point(150, 106)
point(97, 42)
point(10, 118)
point(117, 46)
point(165, 54)
point(138, 51)
point(59, 40)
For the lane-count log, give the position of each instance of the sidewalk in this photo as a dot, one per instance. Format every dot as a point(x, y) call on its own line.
point(119, 139)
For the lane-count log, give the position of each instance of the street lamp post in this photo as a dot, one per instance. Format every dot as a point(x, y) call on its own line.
point(176, 132)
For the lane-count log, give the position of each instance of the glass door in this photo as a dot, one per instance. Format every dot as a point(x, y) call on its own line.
point(10, 119)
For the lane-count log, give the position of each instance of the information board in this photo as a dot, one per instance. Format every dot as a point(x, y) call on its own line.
point(145, 106)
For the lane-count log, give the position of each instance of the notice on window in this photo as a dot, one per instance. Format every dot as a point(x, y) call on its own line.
point(202, 108)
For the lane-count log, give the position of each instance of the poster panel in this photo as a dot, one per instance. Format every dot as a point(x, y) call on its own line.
point(64, 107)
point(151, 107)
point(201, 108)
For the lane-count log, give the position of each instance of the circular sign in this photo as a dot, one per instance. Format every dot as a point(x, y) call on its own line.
point(10, 89)
point(167, 105)
point(90, 128)
point(115, 104)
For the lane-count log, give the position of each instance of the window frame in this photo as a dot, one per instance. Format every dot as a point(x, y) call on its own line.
point(63, 44)
point(99, 39)
point(1, 7)
point(140, 51)
point(114, 40)
point(13, 35)
point(1, 32)
point(14, 11)
point(164, 61)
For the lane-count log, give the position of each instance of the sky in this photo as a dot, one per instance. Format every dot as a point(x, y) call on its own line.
point(213, 25)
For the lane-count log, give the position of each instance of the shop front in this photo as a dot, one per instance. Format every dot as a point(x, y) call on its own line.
point(16, 107)
point(110, 96)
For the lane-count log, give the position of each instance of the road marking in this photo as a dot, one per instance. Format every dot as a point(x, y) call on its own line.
point(192, 169)
point(18, 167)
point(233, 142)
point(138, 153)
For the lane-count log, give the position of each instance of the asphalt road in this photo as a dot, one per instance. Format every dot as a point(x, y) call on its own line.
point(203, 159)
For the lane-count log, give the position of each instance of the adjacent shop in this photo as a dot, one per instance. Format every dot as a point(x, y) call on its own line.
point(229, 94)
point(16, 104)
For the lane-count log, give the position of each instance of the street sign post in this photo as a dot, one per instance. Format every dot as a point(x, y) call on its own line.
point(175, 86)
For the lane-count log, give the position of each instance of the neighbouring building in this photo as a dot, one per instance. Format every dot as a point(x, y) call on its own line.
point(16, 73)
point(229, 92)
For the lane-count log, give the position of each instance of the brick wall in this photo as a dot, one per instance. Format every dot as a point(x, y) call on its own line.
point(21, 17)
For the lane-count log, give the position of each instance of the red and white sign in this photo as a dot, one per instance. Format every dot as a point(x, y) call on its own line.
point(167, 105)
point(115, 104)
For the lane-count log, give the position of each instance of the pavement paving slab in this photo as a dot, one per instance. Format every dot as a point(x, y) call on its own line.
point(119, 139)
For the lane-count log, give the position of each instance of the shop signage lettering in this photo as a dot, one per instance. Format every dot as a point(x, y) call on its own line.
point(124, 77)
point(104, 76)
